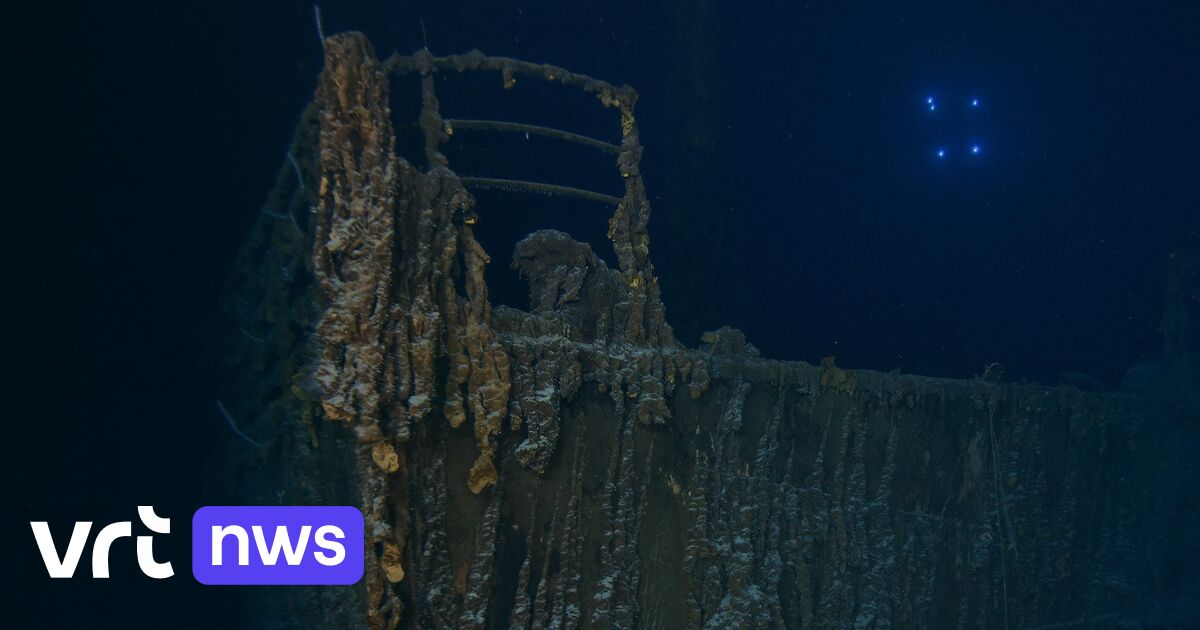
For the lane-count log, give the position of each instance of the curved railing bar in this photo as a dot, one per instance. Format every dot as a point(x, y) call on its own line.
point(517, 185)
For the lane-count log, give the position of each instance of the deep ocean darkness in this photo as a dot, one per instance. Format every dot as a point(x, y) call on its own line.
point(790, 159)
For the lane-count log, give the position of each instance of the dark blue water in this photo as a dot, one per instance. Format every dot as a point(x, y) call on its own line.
point(790, 157)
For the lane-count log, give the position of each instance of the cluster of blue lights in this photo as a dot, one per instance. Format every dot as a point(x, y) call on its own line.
point(931, 103)
point(941, 153)
point(973, 149)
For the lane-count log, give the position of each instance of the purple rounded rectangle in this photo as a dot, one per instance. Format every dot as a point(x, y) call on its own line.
point(245, 545)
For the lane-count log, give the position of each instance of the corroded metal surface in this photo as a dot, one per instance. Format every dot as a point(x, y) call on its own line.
point(574, 466)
